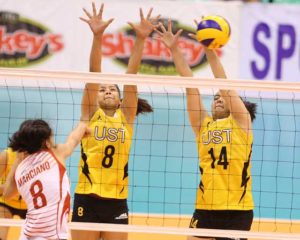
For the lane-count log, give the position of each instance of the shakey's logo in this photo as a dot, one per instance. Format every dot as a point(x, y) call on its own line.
point(24, 42)
point(157, 58)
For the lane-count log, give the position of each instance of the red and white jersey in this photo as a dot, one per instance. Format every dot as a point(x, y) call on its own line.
point(43, 183)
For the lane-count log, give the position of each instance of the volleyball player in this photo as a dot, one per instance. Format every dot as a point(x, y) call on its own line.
point(12, 207)
point(39, 175)
point(224, 140)
point(102, 189)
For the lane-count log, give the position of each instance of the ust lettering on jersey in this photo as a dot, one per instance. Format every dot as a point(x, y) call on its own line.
point(104, 157)
point(111, 134)
point(216, 136)
point(224, 154)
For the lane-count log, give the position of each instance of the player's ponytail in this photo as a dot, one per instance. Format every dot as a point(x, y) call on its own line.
point(251, 107)
point(31, 136)
point(143, 106)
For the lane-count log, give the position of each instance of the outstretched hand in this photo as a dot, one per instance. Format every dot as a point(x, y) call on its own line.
point(166, 36)
point(95, 20)
point(146, 25)
point(193, 35)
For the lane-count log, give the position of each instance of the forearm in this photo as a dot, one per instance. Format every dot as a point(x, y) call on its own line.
point(215, 64)
point(136, 56)
point(89, 101)
point(74, 139)
point(180, 62)
point(96, 54)
point(219, 72)
point(77, 134)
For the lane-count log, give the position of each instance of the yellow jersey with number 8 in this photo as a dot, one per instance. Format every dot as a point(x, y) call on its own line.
point(103, 168)
point(225, 151)
point(16, 201)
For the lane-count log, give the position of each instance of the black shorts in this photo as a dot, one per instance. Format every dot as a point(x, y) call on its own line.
point(15, 211)
point(222, 219)
point(89, 208)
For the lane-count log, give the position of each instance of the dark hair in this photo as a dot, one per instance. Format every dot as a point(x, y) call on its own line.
point(31, 136)
point(119, 91)
point(143, 106)
point(251, 107)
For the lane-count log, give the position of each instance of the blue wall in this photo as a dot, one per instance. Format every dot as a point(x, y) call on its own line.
point(164, 164)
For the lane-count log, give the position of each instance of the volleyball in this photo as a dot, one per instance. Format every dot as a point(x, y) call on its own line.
point(213, 31)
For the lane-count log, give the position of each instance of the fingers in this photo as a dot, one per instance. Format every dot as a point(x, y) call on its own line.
point(87, 13)
point(149, 13)
point(178, 33)
point(110, 21)
point(158, 32)
point(141, 14)
point(101, 11)
point(196, 22)
point(94, 9)
point(83, 19)
point(131, 25)
point(192, 35)
point(157, 17)
point(169, 25)
point(162, 27)
point(155, 26)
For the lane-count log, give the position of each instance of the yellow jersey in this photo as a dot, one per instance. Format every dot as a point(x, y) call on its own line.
point(16, 201)
point(224, 153)
point(103, 167)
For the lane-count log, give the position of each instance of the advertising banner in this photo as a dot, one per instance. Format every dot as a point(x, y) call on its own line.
point(270, 42)
point(49, 35)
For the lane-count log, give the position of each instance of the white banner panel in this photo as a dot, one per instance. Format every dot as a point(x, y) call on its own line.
point(270, 42)
point(48, 35)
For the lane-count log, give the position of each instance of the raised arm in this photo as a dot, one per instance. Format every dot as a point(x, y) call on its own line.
point(235, 104)
point(142, 31)
point(63, 151)
point(89, 103)
point(195, 106)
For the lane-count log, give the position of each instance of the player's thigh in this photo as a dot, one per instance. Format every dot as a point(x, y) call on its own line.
point(86, 235)
point(114, 236)
point(4, 213)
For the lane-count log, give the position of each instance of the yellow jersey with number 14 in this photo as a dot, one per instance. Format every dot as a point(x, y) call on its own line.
point(103, 168)
point(16, 201)
point(225, 152)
